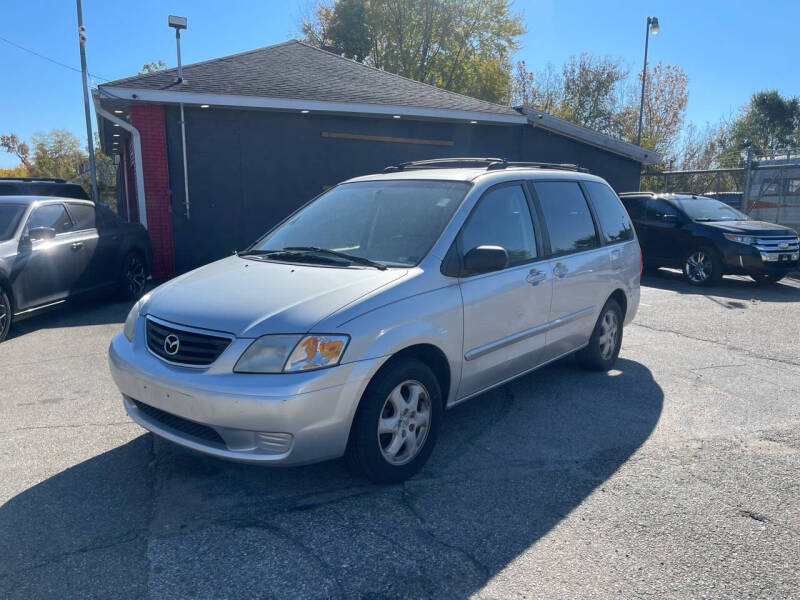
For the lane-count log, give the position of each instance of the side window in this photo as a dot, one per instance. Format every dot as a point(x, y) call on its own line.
point(502, 218)
point(660, 210)
point(614, 222)
point(83, 215)
point(634, 206)
point(51, 215)
point(567, 215)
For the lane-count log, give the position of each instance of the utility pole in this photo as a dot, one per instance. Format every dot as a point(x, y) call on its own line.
point(652, 26)
point(85, 76)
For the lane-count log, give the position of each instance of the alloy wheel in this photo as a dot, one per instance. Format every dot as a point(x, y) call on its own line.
point(135, 276)
point(5, 314)
point(404, 422)
point(609, 330)
point(699, 267)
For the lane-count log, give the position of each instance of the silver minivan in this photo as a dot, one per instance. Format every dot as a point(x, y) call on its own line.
point(351, 326)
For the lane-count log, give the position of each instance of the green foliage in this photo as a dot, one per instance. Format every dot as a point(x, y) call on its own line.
point(769, 123)
point(58, 154)
point(152, 67)
point(460, 45)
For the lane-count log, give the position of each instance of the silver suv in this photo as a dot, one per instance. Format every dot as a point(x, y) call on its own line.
point(351, 326)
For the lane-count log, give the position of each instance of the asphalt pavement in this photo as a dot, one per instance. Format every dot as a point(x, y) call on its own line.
point(676, 475)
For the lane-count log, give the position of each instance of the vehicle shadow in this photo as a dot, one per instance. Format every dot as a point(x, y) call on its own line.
point(149, 518)
point(731, 286)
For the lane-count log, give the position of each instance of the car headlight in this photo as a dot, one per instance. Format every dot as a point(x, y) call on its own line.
point(133, 315)
point(740, 239)
point(292, 353)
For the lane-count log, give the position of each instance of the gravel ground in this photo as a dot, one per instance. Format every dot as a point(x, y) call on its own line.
point(675, 475)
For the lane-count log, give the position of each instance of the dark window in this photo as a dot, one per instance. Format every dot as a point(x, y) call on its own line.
point(106, 218)
point(635, 207)
point(10, 215)
point(51, 215)
point(770, 187)
point(83, 215)
point(611, 216)
point(660, 210)
point(793, 186)
point(502, 218)
point(567, 215)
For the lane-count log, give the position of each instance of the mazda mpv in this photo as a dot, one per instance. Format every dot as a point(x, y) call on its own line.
point(351, 326)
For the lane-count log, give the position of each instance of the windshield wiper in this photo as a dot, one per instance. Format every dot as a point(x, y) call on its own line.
point(255, 252)
point(351, 257)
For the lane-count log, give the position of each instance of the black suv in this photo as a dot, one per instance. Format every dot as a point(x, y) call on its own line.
point(54, 248)
point(707, 238)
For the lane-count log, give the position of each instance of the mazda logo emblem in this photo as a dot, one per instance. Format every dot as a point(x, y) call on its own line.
point(783, 246)
point(172, 344)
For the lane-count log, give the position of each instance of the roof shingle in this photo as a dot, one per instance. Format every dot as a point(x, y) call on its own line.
point(295, 70)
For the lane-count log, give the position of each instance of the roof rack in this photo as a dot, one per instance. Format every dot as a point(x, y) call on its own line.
point(636, 194)
point(491, 164)
point(35, 179)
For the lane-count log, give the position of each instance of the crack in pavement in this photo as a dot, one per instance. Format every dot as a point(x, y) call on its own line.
point(69, 426)
point(730, 347)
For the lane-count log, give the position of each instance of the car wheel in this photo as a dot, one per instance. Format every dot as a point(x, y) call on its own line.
point(702, 266)
point(133, 276)
point(603, 349)
point(5, 314)
point(397, 423)
point(767, 278)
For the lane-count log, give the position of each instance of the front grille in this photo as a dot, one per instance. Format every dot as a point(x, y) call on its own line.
point(779, 244)
point(194, 349)
point(181, 425)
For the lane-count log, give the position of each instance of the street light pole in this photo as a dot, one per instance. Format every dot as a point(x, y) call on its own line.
point(84, 75)
point(652, 25)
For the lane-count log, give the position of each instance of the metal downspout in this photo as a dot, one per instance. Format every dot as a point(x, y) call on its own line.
point(137, 152)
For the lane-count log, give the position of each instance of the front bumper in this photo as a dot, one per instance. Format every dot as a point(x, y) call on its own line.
point(281, 419)
point(745, 259)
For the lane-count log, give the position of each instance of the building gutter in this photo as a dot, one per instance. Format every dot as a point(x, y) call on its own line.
point(290, 104)
point(137, 152)
point(186, 203)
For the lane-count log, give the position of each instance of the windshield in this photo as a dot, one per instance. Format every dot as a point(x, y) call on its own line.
point(706, 209)
point(391, 223)
point(9, 219)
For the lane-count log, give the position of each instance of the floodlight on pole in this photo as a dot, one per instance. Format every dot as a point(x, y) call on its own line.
point(178, 23)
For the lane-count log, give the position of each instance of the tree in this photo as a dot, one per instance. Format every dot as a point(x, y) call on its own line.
point(665, 99)
point(769, 123)
point(12, 144)
point(591, 91)
point(152, 67)
point(460, 45)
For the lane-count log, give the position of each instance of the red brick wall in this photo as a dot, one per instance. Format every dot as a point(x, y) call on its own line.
point(149, 120)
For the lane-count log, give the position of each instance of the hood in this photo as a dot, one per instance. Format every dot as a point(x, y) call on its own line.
point(249, 298)
point(750, 227)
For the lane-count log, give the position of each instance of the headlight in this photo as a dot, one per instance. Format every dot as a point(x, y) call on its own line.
point(740, 239)
point(130, 321)
point(292, 353)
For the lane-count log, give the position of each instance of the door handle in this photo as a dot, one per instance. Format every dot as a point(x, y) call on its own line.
point(560, 270)
point(535, 277)
point(77, 245)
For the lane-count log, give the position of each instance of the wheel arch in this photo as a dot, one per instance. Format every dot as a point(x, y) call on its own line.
point(621, 299)
point(431, 356)
point(5, 284)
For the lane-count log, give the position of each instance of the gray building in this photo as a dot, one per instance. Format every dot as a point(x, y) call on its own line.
point(211, 162)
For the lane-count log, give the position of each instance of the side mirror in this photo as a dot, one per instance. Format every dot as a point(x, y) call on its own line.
point(41, 233)
point(484, 259)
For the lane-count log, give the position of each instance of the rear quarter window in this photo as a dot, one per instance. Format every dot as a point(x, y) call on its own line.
point(615, 225)
point(83, 215)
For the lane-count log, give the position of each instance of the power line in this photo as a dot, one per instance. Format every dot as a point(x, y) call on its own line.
point(47, 58)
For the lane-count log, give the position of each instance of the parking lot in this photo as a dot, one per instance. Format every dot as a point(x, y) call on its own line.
point(675, 475)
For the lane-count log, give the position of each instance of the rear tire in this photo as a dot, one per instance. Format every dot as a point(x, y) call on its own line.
point(5, 314)
point(397, 423)
point(766, 279)
point(702, 266)
point(606, 340)
point(133, 276)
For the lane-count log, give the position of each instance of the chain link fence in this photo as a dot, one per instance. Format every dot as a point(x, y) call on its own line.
point(767, 189)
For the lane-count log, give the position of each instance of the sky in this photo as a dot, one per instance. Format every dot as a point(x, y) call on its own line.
point(729, 49)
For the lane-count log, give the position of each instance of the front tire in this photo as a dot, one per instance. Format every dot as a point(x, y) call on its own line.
point(603, 349)
point(5, 314)
point(702, 266)
point(133, 276)
point(397, 423)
